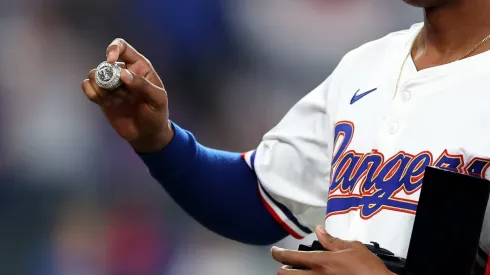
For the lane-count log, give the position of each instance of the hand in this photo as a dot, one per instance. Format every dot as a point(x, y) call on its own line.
point(342, 258)
point(138, 110)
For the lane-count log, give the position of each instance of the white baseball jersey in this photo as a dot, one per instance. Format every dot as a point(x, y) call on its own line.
point(352, 152)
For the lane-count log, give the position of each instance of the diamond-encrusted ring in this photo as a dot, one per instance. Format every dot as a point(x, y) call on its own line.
point(108, 76)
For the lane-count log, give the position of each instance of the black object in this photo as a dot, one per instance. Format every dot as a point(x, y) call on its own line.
point(447, 227)
point(448, 223)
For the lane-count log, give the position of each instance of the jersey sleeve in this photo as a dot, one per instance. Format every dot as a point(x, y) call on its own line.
point(292, 164)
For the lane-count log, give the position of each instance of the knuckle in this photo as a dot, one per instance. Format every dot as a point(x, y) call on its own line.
point(333, 240)
point(357, 244)
point(115, 44)
point(147, 61)
point(118, 42)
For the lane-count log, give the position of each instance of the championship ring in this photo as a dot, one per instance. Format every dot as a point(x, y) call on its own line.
point(108, 76)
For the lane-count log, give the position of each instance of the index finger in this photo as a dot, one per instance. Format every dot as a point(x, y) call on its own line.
point(301, 259)
point(119, 49)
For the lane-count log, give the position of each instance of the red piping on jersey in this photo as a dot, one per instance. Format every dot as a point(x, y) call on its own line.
point(279, 220)
point(274, 214)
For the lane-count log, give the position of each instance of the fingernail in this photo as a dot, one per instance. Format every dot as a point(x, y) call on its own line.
point(321, 229)
point(127, 77)
point(274, 248)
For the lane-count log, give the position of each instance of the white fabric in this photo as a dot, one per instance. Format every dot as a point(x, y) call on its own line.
point(363, 162)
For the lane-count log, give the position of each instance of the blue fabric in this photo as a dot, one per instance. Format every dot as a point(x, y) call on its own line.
point(216, 188)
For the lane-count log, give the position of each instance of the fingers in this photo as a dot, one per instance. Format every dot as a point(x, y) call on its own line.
point(121, 50)
point(295, 258)
point(152, 94)
point(90, 91)
point(329, 242)
point(98, 95)
point(99, 91)
point(134, 86)
point(121, 64)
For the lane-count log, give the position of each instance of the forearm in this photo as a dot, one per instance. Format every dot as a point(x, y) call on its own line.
point(216, 188)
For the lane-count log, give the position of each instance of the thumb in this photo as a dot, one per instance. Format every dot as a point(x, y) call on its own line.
point(151, 93)
point(328, 241)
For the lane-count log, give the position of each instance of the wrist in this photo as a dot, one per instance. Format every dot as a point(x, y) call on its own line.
point(154, 143)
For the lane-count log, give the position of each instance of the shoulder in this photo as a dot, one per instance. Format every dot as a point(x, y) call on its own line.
point(370, 65)
point(378, 50)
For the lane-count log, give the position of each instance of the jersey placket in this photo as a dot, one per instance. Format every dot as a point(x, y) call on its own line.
point(388, 134)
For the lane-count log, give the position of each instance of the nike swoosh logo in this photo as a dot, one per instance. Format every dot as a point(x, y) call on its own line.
point(357, 96)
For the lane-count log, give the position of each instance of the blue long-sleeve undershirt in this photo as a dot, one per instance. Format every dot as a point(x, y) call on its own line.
point(216, 188)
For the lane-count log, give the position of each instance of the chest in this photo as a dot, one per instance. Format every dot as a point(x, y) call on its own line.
point(384, 140)
point(430, 114)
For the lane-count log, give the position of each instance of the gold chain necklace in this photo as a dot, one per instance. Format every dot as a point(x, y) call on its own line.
point(413, 46)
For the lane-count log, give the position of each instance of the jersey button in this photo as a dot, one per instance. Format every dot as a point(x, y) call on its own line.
point(393, 128)
point(406, 96)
